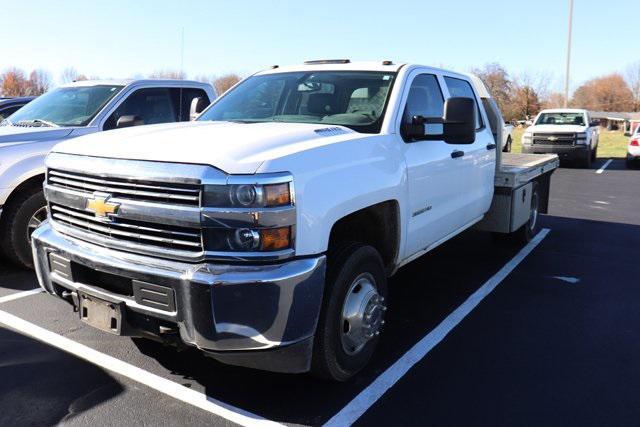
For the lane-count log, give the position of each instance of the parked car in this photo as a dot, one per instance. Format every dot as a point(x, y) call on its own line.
point(569, 133)
point(67, 112)
point(633, 149)
point(264, 233)
point(507, 137)
point(8, 106)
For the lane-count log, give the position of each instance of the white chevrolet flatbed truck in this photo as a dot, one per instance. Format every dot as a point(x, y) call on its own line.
point(265, 232)
point(66, 112)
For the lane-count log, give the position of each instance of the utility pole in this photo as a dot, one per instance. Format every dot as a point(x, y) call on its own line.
point(566, 78)
point(182, 52)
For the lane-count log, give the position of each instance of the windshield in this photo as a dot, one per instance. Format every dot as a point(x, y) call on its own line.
point(561, 119)
point(355, 99)
point(65, 106)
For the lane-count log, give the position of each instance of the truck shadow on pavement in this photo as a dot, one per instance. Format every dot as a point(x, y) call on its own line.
point(12, 277)
point(40, 385)
point(421, 295)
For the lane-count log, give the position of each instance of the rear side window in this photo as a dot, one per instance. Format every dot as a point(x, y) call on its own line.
point(149, 106)
point(8, 111)
point(459, 87)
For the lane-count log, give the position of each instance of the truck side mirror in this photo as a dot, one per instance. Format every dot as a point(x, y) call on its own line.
point(197, 106)
point(458, 123)
point(128, 121)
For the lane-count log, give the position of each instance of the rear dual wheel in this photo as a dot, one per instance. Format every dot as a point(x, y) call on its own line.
point(525, 233)
point(352, 314)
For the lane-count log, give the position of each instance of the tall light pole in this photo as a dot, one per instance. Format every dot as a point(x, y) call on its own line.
point(566, 78)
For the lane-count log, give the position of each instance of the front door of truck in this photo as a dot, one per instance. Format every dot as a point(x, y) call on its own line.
point(436, 180)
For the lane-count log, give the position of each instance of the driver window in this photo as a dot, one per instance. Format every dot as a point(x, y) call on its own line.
point(425, 98)
point(150, 106)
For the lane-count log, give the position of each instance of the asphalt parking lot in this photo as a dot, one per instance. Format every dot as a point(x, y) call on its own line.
point(549, 337)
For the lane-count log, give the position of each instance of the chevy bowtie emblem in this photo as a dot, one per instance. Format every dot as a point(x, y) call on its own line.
point(101, 206)
point(553, 138)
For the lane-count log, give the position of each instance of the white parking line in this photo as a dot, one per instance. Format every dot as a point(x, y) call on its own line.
point(370, 395)
point(134, 373)
point(604, 166)
point(19, 295)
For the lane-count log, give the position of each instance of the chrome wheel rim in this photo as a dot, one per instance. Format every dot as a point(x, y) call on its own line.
point(35, 221)
point(362, 314)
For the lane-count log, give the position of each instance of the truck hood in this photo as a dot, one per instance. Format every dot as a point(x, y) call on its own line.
point(11, 135)
point(235, 148)
point(557, 128)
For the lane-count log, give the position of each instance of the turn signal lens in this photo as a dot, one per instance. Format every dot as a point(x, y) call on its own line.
point(277, 195)
point(274, 239)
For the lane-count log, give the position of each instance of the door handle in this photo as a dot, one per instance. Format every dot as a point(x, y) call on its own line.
point(491, 146)
point(456, 153)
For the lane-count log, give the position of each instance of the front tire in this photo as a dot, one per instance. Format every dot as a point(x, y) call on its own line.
point(23, 215)
point(352, 312)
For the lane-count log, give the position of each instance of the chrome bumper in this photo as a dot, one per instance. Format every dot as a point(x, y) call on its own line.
point(220, 308)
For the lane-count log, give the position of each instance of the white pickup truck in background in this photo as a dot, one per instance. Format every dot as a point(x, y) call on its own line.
point(67, 112)
point(569, 133)
point(265, 232)
point(507, 137)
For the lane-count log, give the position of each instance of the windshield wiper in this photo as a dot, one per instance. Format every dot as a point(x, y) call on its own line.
point(37, 123)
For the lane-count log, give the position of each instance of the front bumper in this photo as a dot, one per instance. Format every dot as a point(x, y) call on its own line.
point(564, 152)
point(261, 316)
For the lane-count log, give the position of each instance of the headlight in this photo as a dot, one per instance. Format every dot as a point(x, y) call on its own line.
point(581, 135)
point(249, 215)
point(247, 195)
point(247, 239)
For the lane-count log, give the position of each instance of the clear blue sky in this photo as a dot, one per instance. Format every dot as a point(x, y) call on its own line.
point(125, 38)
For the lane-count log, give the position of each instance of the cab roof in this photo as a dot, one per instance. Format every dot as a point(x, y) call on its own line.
point(336, 65)
point(130, 82)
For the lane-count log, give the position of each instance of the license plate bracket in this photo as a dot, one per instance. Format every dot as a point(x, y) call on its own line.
point(105, 315)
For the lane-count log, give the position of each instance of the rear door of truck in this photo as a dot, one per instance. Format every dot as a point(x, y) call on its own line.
point(477, 165)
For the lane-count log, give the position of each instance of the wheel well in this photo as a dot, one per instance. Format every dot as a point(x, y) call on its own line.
point(31, 183)
point(377, 225)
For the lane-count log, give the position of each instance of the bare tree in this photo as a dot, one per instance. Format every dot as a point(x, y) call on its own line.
point(553, 100)
point(224, 83)
point(69, 75)
point(168, 74)
point(221, 84)
point(39, 82)
point(13, 83)
point(633, 80)
point(497, 80)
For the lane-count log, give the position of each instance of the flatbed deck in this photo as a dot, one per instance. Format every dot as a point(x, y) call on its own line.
point(518, 169)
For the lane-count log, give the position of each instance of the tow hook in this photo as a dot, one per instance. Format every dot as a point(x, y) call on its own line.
point(72, 297)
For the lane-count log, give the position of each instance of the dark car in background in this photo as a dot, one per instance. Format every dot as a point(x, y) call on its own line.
point(8, 106)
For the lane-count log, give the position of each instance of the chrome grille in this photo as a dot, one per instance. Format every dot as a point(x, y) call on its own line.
point(563, 138)
point(181, 194)
point(139, 232)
